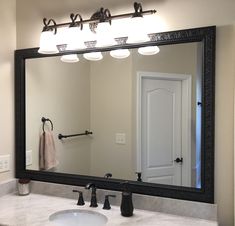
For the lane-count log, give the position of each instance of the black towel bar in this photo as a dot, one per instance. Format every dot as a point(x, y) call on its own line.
point(60, 136)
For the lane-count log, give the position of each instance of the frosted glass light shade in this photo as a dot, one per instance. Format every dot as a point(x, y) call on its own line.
point(120, 53)
point(137, 31)
point(104, 35)
point(74, 39)
point(88, 35)
point(93, 56)
point(120, 28)
point(148, 50)
point(48, 43)
point(61, 36)
point(71, 58)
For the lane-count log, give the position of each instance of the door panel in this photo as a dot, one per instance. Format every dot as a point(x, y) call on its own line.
point(161, 130)
point(160, 125)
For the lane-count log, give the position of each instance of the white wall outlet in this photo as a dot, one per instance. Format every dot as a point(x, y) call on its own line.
point(120, 138)
point(29, 158)
point(4, 163)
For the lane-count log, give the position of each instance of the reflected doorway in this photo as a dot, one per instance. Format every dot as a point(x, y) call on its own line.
point(164, 116)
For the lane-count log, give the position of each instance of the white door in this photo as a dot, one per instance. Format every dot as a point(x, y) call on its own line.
point(161, 131)
point(163, 127)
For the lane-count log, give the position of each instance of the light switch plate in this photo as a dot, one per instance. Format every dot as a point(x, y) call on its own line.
point(120, 138)
point(4, 163)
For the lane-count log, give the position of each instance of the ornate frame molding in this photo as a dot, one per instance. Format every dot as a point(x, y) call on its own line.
point(207, 36)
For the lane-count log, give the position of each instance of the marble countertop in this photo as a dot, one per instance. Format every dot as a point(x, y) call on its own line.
point(34, 210)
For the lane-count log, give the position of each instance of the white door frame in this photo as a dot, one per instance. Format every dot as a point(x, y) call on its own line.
point(186, 119)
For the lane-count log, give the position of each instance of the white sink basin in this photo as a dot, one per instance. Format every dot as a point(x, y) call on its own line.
point(78, 218)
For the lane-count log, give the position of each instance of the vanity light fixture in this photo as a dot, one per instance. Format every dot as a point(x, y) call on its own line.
point(74, 35)
point(100, 24)
point(89, 36)
point(138, 31)
point(104, 28)
point(104, 35)
point(48, 38)
point(70, 58)
point(148, 50)
point(120, 53)
point(93, 56)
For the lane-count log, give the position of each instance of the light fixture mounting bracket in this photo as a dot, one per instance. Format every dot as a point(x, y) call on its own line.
point(102, 15)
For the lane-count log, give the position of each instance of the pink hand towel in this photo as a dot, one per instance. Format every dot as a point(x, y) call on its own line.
point(47, 151)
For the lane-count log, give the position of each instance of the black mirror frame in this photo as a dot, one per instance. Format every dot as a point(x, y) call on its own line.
point(207, 36)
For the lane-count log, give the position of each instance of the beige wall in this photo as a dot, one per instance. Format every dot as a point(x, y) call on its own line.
point(111, 113)
point(179, 14)
point(225, 74)
point(100, 96)
point(173, 15)
point(8, 45)
point(47, 96)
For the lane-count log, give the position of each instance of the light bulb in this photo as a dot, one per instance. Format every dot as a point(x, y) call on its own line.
point(137, 31)
point(148, 50)
point(93, 56)
point(70, 58)
point(120, 53)
point(48, 43)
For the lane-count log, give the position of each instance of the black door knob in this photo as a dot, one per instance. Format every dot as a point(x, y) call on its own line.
point(178, 160)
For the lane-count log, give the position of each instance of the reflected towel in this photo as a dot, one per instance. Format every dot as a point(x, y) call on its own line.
point(47, 151)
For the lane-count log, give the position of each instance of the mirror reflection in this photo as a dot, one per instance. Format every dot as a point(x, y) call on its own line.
point(138, 118)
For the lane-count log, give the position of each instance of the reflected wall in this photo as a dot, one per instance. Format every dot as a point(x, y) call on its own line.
point(101, 97)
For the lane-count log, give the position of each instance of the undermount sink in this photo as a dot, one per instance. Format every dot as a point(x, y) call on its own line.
point(78, 218)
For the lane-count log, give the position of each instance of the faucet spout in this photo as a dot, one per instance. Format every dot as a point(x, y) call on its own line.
point(93, 194)
point(89, 185)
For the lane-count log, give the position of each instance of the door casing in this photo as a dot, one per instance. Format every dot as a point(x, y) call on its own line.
point(186, 119)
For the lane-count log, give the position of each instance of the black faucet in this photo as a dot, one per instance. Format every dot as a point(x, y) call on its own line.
point(139, 176)
point(106, 202)
point(93, 194)
point(80, 198)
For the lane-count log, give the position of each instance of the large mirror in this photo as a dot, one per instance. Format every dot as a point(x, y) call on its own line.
point(102, 97)
point(142, 118)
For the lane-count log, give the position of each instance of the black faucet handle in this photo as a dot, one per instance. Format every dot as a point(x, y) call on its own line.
point(106, 202)
point(80, 198)
point(139, 176)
